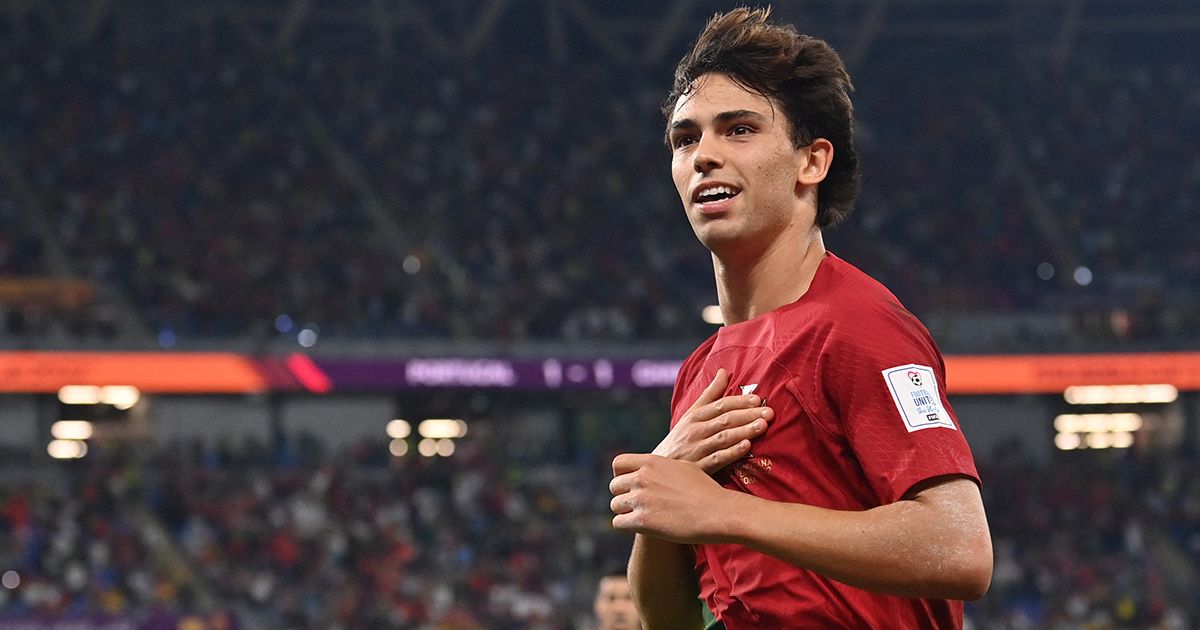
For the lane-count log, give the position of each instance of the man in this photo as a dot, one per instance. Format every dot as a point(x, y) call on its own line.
point(614, 603)
point(858, 506)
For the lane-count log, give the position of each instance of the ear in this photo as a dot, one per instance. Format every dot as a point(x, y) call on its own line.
point(814, 162)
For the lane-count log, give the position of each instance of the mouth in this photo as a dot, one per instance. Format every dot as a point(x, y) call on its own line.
point(714, 197)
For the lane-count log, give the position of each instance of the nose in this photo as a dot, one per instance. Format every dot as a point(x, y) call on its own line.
point(707, 157)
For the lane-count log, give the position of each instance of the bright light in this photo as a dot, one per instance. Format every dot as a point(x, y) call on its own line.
point(120, 396)
point(1125, 423)
point(11, 579)
point(1083, 276)
point(71, 429)
point(438, 428)
point(79, 395)
point(399, 428)
point(1120, 394)
point(67, 449)
point(712, 315)
point(398, 448)
point(1122, 440)
point(427, 447)
point(1067, 441)
point(1097, 422)
point(307, 337)
point(445, 447)
point(1099, 440)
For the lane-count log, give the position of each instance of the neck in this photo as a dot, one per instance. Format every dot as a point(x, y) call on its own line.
point(780, 275)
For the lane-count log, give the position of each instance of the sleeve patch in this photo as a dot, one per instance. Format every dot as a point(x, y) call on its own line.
point(914, 389)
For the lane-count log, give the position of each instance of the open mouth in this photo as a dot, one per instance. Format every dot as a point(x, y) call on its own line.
point(714, 194)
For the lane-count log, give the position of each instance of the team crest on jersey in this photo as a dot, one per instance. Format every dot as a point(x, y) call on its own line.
point(915, 392)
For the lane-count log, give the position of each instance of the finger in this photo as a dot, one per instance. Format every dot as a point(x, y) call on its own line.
point(714, 389)
point(724, 457)
point(620, 505)
point(729, 437)
point(629, 462)
point(725, 405)
point(621, 484)
point(733, 419)
point(625, 522)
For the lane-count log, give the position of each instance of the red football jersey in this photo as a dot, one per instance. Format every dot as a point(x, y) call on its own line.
point(859, 393)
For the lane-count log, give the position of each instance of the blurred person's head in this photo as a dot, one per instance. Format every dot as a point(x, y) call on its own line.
point(614, 602)
point(766, 110)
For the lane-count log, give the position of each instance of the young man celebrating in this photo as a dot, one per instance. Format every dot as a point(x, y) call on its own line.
point(859, 505)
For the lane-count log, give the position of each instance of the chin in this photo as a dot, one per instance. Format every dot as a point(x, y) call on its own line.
point(717, 239)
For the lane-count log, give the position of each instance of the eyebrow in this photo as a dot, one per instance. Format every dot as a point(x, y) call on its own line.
point(723, 117)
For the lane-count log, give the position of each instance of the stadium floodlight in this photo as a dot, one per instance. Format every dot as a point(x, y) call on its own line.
point(67, 449)
point(445, 447)
point(438, 428)
point(1067, 441)
point(712, 315)
point(399, 429)
point(398, 448)
point(1120, 394)
point(71, 430)
point(79, 395)
point(120, 396)
point(1098, 422)
point(427, 447)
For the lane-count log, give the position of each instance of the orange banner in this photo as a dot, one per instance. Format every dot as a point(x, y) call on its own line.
point(151, 372)
point(45, 292)
point(1053, 373)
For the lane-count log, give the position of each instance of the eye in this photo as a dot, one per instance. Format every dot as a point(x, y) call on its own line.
point(683, 141)
point(740, 130)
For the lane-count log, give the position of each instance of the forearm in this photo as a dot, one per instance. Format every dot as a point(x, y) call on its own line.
point(663, 579)
point(907, 548)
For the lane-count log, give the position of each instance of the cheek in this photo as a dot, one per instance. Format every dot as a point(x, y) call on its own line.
point(680, 175)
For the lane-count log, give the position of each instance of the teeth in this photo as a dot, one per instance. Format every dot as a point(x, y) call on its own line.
point(712, 192)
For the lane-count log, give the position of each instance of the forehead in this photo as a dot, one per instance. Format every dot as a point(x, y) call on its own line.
point(715, 93)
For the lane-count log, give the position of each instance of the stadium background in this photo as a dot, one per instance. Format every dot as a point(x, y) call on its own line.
point(288, 224)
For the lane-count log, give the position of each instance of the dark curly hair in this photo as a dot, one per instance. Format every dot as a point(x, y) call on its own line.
point(803, 74)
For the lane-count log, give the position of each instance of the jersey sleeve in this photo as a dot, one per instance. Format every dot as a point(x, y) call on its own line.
point(882, 382)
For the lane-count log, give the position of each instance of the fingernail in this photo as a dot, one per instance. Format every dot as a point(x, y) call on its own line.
point(758, 424)
point(753, 401)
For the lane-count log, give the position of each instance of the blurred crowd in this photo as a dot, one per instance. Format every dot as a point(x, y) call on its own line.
point(216, 185)
point(360, 538)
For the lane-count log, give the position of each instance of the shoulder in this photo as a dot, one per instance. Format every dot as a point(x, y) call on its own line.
point(858, 308)
point(853, 325)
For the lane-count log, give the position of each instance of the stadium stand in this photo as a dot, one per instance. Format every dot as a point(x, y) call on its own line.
point(218, 185)
point(302, 537)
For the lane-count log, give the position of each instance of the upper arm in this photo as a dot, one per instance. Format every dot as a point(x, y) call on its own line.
point(961, 531)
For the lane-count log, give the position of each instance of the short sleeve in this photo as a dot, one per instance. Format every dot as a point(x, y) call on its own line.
point(883, 381)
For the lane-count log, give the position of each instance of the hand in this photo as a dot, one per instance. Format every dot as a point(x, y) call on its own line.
point(666, 498)
point(716, 431)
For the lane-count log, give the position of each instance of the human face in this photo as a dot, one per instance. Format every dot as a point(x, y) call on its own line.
point(735, 167)
point(614, 605)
